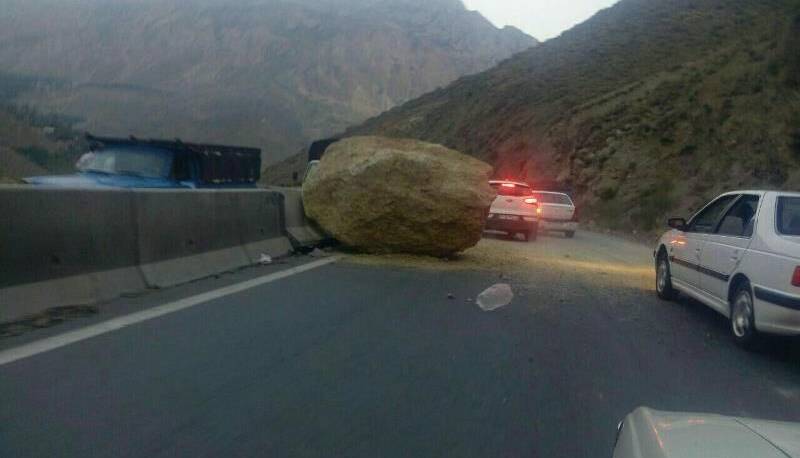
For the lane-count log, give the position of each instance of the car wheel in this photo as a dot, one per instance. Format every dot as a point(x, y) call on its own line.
point(570, 234)
point(526, 236)
point(743, 318)
point(664, 279)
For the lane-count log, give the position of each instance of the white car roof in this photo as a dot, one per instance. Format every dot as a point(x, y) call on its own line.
point(762, 192)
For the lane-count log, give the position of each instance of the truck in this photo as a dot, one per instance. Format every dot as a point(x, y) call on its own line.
point(139, 163)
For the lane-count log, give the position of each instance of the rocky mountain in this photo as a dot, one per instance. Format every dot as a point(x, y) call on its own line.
point(32, 143)
point(267, 73)
point(648, 108)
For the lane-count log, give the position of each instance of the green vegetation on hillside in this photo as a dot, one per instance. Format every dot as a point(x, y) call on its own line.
point(650, 107)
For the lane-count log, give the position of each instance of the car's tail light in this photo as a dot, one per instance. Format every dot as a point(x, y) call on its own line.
point(539, 211)
point(531, 201)
point(508, 185)
point(796, 277)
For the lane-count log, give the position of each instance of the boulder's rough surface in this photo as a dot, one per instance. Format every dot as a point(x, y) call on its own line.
point(382, 195)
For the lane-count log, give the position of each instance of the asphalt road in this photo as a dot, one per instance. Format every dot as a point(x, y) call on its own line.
point(371, 358)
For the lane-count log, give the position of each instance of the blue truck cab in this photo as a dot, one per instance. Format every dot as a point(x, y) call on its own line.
point(135, 163)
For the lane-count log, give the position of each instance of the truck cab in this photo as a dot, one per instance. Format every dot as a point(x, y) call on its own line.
point(134, 163)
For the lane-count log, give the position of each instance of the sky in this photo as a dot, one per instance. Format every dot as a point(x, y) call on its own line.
point(543, 19)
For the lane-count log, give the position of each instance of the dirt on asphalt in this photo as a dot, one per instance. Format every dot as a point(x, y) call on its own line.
point(605, 258)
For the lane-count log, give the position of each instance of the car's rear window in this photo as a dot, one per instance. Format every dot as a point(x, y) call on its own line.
point(789, 215)
point(510, 189)
point(549, 198)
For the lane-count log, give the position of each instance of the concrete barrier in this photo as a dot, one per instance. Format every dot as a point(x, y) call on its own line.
point(262, 226)
point(186, 235)
point(68, 247)
point(64, 247)
point(302, 232)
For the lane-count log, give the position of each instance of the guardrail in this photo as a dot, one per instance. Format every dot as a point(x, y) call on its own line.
point(69, 247)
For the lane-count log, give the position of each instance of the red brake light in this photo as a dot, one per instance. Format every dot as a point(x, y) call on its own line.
point(509, 185)
point(531, 201)
point(796, 277)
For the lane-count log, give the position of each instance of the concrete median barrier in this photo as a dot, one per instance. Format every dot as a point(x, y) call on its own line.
point(302, 232)
point(64, 247)
point(185, 235)
point(68, 247)
point(262, 225)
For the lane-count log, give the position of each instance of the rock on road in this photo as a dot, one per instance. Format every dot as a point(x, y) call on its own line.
point(371, 357)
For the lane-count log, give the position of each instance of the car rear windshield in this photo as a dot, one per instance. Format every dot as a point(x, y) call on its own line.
point(511, 189)
point(549, 198)
point(789, 215)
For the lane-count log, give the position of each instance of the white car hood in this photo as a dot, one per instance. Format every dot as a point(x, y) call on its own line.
point(785, 436)
point(655, 434)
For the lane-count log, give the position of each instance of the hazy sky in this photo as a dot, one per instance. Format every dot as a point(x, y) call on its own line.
point(544, 19)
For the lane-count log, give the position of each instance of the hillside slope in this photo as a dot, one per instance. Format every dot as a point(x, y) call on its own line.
point(650, 107)
point(267, 73)
point(32, 143)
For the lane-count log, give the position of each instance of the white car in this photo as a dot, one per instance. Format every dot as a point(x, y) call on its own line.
point(740, 255)
point(647, 433)
point(558, 212)
point(514, 211)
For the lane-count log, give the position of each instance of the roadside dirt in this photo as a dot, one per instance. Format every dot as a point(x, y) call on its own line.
point(604, 259)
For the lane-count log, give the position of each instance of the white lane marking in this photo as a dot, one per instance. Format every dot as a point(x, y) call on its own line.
point(68, 338)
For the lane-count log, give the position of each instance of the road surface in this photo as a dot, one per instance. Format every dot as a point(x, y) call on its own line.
point(370, 357)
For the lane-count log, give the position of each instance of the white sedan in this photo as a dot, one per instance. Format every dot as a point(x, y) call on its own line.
point(558, 212)
point(514, 211)
point(740, 255)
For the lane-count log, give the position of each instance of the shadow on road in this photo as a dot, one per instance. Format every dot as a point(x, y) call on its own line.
point(781, 349)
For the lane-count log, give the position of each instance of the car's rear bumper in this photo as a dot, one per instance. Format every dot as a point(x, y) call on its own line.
point(556, 225)
point(520, 224)
point(777, 312)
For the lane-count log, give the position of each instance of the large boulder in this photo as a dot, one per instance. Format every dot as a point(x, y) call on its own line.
point(382, 195)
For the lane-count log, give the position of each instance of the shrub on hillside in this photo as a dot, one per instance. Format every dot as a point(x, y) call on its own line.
point(654, 203)
point(607, 193)
point(792, 55)
point(795, 143)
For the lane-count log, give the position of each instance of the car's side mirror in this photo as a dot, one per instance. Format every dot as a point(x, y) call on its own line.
point(677, 223)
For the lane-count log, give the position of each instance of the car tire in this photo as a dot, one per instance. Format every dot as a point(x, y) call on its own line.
point(664, 287)
point(526, 236)
point(743, 318)
point(570, 234)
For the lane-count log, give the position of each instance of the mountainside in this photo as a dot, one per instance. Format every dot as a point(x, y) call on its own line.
point(267, 73)
point(648, 108)
point(32, 143)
